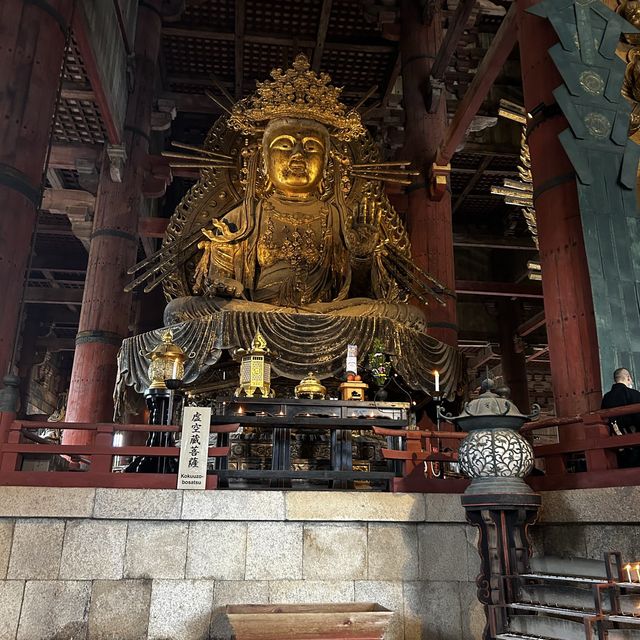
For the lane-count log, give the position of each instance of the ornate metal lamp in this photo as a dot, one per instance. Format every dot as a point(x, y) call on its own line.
point(498, 501)
point(167, 362)
point(494, 455)
point(255, 369)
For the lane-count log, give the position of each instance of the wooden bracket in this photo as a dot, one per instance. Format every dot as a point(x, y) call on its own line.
point(439, 181)
point(157, 176)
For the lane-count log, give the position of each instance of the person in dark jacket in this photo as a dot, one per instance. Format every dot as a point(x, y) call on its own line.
point(622, 393)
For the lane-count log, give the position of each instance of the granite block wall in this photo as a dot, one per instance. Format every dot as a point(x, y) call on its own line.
point(134, 564)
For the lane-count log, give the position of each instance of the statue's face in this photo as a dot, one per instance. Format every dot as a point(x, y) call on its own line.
point(295, 153)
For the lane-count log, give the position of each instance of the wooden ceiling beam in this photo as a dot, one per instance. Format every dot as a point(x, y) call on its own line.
point(44, 295)
point(192, 102)
point(499, 289)
point(391, 82)
point(531, 325)
point(321, 36)
point(275, 40)
point(53, 343)
point(486, 74)
point(483, 149)
point(72, 91)
point(497, 242)
point(64, 156)
point(456, 28)
point(240, 13)
point(473, 181)
point(506, 173)
point(83, 40)
point(152, 227)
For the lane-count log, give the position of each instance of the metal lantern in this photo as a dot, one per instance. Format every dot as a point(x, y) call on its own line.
point(167, 362)
point(255, 369)
point(494, 455)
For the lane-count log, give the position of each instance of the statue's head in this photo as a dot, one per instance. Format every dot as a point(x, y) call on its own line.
point(295, 152)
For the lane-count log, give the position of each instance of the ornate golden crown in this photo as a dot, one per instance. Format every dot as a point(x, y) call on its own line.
point(297, 93)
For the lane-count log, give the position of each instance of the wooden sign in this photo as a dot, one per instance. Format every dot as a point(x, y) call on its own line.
point(194, 447)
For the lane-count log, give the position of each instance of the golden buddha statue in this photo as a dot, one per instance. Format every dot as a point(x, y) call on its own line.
point(289, 231)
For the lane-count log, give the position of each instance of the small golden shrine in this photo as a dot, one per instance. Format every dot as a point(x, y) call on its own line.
point(255, 369)
point(353, 390)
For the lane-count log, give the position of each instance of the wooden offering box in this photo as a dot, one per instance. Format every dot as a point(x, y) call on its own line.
point(362, 620)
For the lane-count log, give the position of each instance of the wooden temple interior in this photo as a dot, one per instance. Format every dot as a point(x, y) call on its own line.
point(499, 308)
point(465, 210)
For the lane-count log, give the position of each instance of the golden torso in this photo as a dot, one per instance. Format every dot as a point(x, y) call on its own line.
point(298, 252)
point(293, 232)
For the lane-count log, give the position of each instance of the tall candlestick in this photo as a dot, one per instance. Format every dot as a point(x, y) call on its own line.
point(436, 377)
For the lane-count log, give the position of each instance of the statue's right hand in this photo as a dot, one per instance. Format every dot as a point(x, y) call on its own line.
point(226, 287)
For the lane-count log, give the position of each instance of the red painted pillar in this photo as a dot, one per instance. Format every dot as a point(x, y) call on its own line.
point(32, 40)
point(106, 309)
point(428, 221)
point(514, 362)
point(568, 304)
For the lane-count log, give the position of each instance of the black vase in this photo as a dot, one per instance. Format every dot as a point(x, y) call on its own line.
point(381, 394)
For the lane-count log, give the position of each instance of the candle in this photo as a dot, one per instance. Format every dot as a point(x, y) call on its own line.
point(174, 371)
point(628, 570)
point(637, 568)
point(436, 377)
point(239, 411)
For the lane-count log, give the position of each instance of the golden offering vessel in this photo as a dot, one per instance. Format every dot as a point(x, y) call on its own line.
point(167, 362)
point(311, 388)
point(353, 390)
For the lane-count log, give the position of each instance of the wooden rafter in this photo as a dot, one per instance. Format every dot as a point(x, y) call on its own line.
point(485, 76)
point(391, 82)
point(473, 181)
point(321, 36)
point(102, 98)
point(499, 289)
point(240, 13)
point(450, 42)
point(531, 325)
point(42, 295)
point(64, 156)
point(480, 242)
point(278, 41)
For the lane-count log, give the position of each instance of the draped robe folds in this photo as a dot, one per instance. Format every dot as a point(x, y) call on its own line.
point(296, 259)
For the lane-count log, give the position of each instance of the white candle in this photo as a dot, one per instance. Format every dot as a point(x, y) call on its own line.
point(638, 571)
point(174, 372)
point(436, 377)
point(628, 570)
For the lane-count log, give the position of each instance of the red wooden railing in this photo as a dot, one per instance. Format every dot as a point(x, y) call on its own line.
point(98, 456)
point(585, 438)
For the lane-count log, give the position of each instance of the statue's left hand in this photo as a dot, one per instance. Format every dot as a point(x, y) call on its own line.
point(365, 234)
